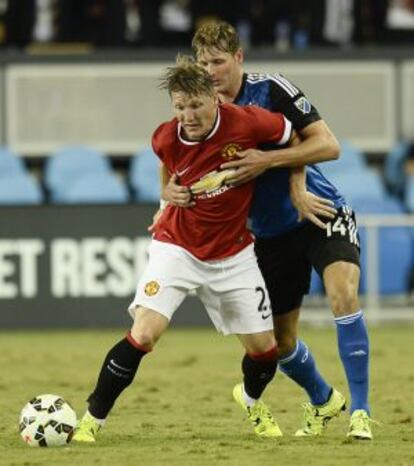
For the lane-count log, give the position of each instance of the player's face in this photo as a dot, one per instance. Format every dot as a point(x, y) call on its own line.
point(224, 68)
point(196, 114)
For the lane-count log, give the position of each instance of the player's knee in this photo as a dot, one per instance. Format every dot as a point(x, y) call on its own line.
point(286, 334)
point(343, 298)
point(144, 338)
point(286, 344)
point(261, 345)
point(145, 335)
point(148, 327)
point(265, 358)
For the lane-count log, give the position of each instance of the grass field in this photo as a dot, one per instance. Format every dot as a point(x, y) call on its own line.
point(179, 411)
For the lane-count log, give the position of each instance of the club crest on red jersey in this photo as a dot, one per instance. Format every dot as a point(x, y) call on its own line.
point(151, 288)
point(229, 150)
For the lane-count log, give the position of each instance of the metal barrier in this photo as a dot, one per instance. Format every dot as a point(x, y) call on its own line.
point(372, 223)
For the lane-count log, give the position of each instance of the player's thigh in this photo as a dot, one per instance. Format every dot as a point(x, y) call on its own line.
point(335, 254)
point(236, 298)
point(338, 242)
point(286, 269)
point(169, 276)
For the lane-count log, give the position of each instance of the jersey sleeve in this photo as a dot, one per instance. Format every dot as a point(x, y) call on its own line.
point(156, 142)
point(292, 102)
point(269, 127)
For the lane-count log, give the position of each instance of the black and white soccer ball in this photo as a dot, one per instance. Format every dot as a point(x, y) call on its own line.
point(47, 421)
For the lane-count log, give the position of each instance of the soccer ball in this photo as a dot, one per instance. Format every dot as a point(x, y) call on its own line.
point(47, 421)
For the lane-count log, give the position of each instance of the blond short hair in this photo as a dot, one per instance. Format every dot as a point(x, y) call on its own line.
point(188, 77)
point(218, 35)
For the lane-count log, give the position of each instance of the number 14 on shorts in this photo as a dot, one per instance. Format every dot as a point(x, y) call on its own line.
point(343, 226)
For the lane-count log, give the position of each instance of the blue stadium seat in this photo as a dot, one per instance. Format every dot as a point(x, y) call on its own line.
point(19, 189)
point(96, 189)
point(144, 176)
point(394, 244)
point(409, 196)
point(10, 163)
point(365, 184)
point(68, 164)
point(351, 160)
point(394, 175)
point(380, 206)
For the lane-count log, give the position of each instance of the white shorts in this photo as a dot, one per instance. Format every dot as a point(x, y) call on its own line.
point(232, 290)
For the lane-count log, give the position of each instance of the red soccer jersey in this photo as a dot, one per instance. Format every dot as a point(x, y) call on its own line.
point(215, 227)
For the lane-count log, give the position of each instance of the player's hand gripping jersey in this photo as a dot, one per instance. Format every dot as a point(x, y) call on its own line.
point(216, 226)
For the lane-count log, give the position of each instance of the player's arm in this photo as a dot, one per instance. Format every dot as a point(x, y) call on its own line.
point(171, 193)
point(313, 144)
point(251, 163)
point(318, 143)
point(308, 205)
point(164, 179)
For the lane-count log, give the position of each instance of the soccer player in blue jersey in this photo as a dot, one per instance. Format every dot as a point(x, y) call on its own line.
point(286, 249)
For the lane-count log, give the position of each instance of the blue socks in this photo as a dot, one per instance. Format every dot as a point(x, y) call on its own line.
point(353, 347)
point(300, 366)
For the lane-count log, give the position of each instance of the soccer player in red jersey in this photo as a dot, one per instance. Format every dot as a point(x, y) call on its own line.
point(205, 247)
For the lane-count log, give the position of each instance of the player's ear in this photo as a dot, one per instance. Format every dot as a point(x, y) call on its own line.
point(239, 56)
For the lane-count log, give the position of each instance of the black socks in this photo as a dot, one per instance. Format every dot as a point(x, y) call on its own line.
point(259, 370)
point(117, 373)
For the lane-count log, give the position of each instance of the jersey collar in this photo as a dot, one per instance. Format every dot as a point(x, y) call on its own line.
point(241, 90)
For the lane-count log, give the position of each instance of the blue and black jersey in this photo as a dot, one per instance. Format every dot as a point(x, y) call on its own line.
point(272, 212)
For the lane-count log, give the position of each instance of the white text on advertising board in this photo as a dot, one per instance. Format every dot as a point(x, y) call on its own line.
point(91, 267)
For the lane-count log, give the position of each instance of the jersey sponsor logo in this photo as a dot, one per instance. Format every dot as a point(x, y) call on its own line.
point(303, 105)
point(230, 150)
point(211, 182)
point(152, 288)
point(215, 193)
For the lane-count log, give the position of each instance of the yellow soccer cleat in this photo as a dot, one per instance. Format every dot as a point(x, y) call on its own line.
point(359, 426)
point(87, 429)
point(259, 415)
point(316, 418)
